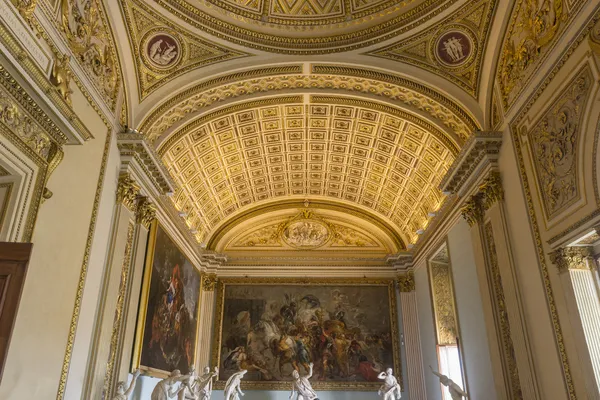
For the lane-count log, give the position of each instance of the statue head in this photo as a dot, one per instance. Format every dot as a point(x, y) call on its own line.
point(389, 371)
point(207, 370)
point(121, 387)
point(295, 374)
point(175, 373)
point(444, 380)
point(192, 369)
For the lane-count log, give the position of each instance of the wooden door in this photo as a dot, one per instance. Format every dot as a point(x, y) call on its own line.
point(14, 258)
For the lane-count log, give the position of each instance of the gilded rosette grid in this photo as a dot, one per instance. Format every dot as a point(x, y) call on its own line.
point(350, 153)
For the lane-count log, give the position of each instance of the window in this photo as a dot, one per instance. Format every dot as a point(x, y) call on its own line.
point(450, 365)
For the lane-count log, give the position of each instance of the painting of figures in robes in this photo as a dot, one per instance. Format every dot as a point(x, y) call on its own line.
point(347, 329)
point(168, 318)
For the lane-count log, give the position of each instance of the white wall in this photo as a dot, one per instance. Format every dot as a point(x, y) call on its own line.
point(470, 313)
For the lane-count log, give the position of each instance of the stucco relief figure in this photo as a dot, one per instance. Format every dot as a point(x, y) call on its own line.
point(232, 387)
point(306, 234)
point(454, 48)
point(390, 390)
point(122, 393)
point(163, 53)
point(302, 385)
point(166, 389)
point(455, 391)
point(205, 383)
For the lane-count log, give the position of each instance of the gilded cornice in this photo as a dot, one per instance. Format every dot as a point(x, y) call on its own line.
point(568, 258)
point(482, 150)
point(145, 212)
point(534, 30)
point(134, 148)
point(411, 95)
point(472, 22)
point(127, 191)
point(406, 282)
point(271, 140)
point(303, 44)
point(143, 24)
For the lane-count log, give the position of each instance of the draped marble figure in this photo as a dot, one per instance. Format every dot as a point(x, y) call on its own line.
point(390, 390)
point(122, 393)
point(303, 386)
point(232, 387)
point(455, 391)
point(166, 389)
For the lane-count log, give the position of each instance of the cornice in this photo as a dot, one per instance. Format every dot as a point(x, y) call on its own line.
point(481, 151)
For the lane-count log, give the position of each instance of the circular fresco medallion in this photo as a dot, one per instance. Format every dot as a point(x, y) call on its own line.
point(454, 48)
point(305, 234)
point(162, 51)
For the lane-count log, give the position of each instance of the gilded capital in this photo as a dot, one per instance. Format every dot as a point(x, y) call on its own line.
point(406, 282)
point(25, 7)
point(568, 258)
point(209, 282)
point(473, 210)
point(491, 190)
point(127, 191)
point(145, 212)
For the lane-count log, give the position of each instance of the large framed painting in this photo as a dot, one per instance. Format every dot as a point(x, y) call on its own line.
point(168, 313)
point(347, 329)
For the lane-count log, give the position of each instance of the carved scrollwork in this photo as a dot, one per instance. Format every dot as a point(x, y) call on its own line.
point(406, 282)
point(25, 7)
point(127, 191)
point(60, 77)
point(491, 190)
point(472, 210)
point(568, 258)
point(145, 212)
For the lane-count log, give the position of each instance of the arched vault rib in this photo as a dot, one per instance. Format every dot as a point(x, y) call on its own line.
point(395, 90)
point(357, 152)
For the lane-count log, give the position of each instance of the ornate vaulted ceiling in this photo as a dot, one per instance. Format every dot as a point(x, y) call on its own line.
point(356, 108)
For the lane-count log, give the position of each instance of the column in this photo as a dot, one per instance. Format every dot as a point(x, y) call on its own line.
point(207, 314)
point(576, 267)
point(412, 337)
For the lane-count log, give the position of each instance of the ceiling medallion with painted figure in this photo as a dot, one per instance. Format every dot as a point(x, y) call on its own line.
point(306, 234)
point(455, 48)
point(162, 50)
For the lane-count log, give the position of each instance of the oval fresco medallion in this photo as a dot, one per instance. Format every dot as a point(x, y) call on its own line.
point(162, 51)
point(454, 48)
point(305, 234)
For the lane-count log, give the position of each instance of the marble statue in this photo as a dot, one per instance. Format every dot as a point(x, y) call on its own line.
point(205, 383)
point(455, 391)
point(187, 389)
point(390, 390)
point(303, 386)
point(232, 387)
point(165, 389)
point(122, 393)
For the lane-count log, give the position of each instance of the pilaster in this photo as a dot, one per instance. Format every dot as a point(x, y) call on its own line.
point(207, 314)
point(412, 337)
point(475, 178)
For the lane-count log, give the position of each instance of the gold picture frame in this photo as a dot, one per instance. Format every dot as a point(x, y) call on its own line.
point(383, 283)
point(156, 231)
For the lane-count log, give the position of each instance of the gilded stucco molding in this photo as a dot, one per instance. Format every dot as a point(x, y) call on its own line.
point(302, 44)
point(25, 7)
point(442, 294)
point(491, 190)
point(534, 30)
point(209, 282)
point(406, 282)
point(127, 191)
point(569, 258)
point(481, 151)
point(471, 24)
point(149, 32)
point(499, 304)
point(145, 212)
point(412, 95)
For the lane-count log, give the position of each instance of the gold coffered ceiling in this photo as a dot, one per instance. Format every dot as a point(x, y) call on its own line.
point(357, 152)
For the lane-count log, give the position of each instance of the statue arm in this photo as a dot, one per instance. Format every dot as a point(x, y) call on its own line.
point(132, 386)
point(382, 375)
point(435, 373)
point(310, 371)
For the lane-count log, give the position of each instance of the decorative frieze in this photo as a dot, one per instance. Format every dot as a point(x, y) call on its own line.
point(127, 191)
point(145, 212)
point(567, 258)
point(209, 282)
point(406, 282)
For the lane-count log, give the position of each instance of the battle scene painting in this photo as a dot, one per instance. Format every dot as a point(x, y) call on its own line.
point(170, 320)
point(347, 331)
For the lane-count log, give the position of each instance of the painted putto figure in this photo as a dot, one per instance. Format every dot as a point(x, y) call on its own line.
point(455, 391)
point(390, 390)
point(232, 387)
point(122, 393)
point(303, 386)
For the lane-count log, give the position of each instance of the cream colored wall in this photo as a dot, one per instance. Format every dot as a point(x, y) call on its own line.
point(40, 334)
point(473, 333)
